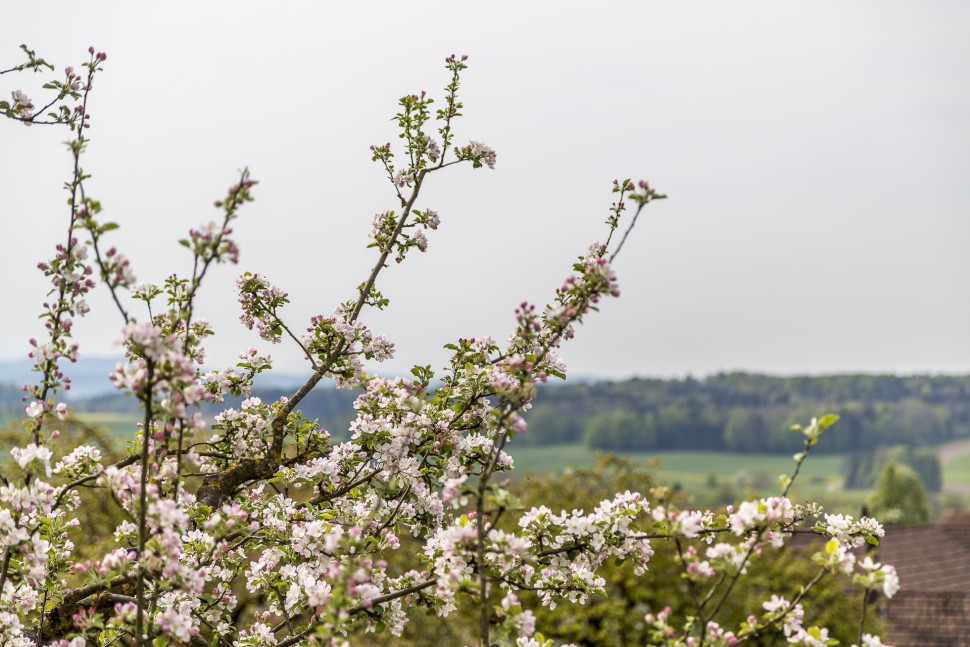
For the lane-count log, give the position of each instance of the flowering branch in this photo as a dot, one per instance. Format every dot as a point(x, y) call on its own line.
point(263, 530)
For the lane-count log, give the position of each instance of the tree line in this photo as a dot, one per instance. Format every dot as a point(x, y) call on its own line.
point(742, 412)
point(751, 412)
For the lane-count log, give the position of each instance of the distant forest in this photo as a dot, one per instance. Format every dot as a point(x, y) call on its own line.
point(725, 412)
point(749, 412)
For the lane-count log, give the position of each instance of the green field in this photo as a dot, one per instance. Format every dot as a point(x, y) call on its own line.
point(554, 458)
point(957, 470)
point(709, 476)
point(121, 425)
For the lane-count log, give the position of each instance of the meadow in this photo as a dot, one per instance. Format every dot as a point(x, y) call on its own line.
point(956, 470)
point(712, 478)
point(121, 425)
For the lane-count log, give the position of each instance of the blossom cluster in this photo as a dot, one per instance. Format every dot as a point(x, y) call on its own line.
point(163, 379)
point(478, 154)
point(390, 234)
point(72, 87)
point(344, 344)
point(212, 240)
point(22, 106)
point(237, 380)
point(260, 302)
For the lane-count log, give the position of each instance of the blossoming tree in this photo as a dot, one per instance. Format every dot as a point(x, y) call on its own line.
point(261, 530)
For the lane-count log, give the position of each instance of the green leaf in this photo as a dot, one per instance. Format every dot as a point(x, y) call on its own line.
point(827, 421)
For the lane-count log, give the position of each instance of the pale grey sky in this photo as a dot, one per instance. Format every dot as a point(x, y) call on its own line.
point(816, 157)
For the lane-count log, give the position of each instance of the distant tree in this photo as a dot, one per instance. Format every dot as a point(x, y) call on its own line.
point(552, 425)
point(862, 470)
point(747, 430)
point(619, 431)
point(922, 460)
point(900, 496)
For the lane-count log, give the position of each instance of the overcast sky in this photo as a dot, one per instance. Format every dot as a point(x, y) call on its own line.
point(816, 156)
